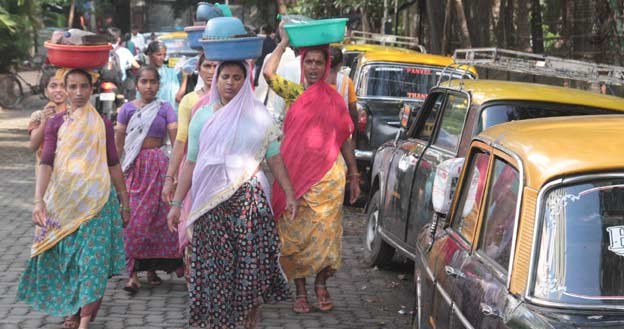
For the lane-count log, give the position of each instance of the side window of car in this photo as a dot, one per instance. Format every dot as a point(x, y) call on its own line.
point(452, 124)
point(500, 214)
point(362, 87)
point(465, 221)
point(425, 131)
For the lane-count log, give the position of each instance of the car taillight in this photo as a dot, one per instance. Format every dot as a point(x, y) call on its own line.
point(361, 120)
point(108, 86)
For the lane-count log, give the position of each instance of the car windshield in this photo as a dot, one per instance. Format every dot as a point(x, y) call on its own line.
point(511, 111)
point(178, 46)
point(399, 81)
point(581, 252)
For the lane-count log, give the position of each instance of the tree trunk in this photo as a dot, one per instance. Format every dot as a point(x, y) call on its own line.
point(434, 17)
point(72, 9)
point(446, 30)
point(365, 23)
point(523, 32)
point(463, 24)
point(537, 31)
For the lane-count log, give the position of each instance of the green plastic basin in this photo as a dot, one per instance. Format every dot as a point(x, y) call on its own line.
point(317, 32)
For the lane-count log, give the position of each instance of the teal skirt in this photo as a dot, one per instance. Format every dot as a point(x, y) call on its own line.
point(74, 273)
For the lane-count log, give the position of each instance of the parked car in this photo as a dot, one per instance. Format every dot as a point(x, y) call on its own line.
point(535, 232)
point(178, 47)
point(386, 82)
point(353, 50)
point(403, 170)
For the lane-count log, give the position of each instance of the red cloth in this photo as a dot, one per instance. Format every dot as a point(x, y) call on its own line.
point(315, 127)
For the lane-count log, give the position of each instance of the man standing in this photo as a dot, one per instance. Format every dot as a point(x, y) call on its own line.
point(138, 39)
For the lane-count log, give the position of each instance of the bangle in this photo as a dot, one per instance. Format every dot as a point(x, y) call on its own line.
point(171, 177)
point(177, 204)
point(124, 209)
point(357, 174)
point(38, 201)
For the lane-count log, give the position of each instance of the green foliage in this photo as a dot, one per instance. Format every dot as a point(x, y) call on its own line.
point(18, 19)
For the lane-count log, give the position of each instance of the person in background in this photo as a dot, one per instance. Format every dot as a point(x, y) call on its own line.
point(142, 126)
point(171, 89)
point(78, 242)
point(127, 42)
point(319, 156)
point(343, 84)
point(54, 90)
point(138, 39)
point(235, 245)
point(188, 106)
point(268, 45)
point(126, 63)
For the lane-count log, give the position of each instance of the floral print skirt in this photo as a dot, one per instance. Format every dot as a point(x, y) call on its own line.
point(149, 244)
point(313, 240)
point(74, 273)
point(235, 260)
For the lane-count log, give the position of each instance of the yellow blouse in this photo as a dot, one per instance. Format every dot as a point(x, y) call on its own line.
point(184, 115)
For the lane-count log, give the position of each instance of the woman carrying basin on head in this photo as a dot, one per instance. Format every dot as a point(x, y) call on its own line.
point(315, 147)
point(78, 239)
point(235, 247)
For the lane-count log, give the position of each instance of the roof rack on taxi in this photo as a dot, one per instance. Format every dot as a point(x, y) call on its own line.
point(387, 39)
point(540, 65)
point(450, 75)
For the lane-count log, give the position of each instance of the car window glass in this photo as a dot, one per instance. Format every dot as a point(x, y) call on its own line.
point(500, 214)
point(452, 124)
point(362, 85)
point(426, 130)
point(465, 221)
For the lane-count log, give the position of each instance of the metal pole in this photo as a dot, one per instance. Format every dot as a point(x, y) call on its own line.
point(385, 18)
point(396, 17)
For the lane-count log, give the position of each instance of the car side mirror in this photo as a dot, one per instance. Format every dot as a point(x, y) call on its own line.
point(405, 116)
point(445, 183)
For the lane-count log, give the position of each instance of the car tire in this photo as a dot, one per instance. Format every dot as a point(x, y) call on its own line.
point(377, 251)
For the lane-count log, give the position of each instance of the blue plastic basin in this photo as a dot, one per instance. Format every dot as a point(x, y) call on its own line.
point(194, 33)
point(223, 27)
point(232, 49)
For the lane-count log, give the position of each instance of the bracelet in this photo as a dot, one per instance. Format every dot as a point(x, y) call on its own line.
point(357, 174)
point(177, 204)
point(38, 201)
point(124, 209)
point(171, 177)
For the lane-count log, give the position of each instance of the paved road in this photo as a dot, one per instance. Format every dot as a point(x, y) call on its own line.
point(364, 297)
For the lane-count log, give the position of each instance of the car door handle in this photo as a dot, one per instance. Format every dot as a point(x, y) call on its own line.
point(489, 310)
point(453, 272)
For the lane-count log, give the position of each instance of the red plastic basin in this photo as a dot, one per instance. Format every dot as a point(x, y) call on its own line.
point(86, 57)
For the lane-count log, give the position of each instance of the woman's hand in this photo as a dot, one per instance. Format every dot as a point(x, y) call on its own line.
point(173, 218)
point(47, 113)
point(285, 40)
point(168, 190)
point(39, 214)
point(291, 205)
point(125, 216)
point(354, 189)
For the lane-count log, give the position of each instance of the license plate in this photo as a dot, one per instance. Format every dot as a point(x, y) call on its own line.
point(107, 96)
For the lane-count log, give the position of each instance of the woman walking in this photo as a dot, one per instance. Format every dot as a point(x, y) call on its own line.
point(54, 90)
point(142, 126)
point(171, 89)
point(316, 144)
point(235, 247)
point(78, 238)
point(189, 104)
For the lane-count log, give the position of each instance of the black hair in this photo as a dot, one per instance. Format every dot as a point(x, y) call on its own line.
point(149, 68)
point(335, 55)
point(154, 46)
point(46, 77)
point(113, 34)
point(127, 37)
point(79, 71)
point(240, 64)
point(267, 29)
point(322, 52)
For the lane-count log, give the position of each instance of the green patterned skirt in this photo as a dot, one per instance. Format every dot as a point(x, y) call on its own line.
point(74, 273)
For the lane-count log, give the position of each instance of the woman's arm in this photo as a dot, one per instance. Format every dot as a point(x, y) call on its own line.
point(39, 213)
point(184, 185)
point(353, 176)
point(276, 164)
point(120, 137)
point(37, 133)
point(177, 155)
point(271, 65)
point(182, 89)
point(120, 186)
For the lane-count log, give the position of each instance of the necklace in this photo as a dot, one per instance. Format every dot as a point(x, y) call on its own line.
point(221, 102)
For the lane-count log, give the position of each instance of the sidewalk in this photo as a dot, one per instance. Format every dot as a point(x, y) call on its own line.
point(363, 297)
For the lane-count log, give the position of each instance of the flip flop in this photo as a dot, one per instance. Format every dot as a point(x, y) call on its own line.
point(301, 304)
point(153, 279)
point(132, 287)
point(71, 322)
point(323, 300)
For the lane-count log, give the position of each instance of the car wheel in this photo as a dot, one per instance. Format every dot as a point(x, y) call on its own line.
point(377, 251)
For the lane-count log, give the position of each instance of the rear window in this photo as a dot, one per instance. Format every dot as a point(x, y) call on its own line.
point(399, 81)
point(505, 112)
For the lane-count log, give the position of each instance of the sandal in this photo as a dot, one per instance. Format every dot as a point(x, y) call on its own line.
point(252, 318)
point(301, 304)
point(322, 298)
point(71, 322)
point(132, 287)
point(153, 279)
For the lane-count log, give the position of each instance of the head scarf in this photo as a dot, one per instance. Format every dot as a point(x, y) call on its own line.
point(232, 144)
point(62, 72)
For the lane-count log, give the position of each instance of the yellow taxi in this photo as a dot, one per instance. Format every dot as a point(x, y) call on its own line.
point(178, 47)
point(534, 236)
